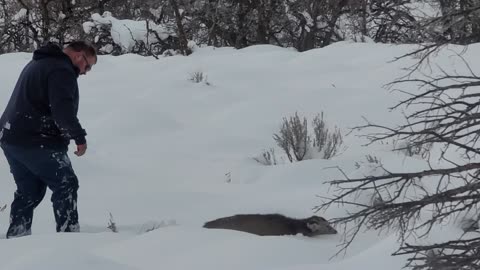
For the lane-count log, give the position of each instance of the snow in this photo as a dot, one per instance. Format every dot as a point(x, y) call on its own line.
point(126, 33)
point(88, 26)
point(156, 12)
point(21, 14)
point(423, 10)
point(170, 154)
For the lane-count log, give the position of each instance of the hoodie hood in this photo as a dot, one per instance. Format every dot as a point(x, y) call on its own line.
point(52, 50)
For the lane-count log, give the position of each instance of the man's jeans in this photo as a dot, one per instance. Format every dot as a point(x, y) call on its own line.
point(35, 169)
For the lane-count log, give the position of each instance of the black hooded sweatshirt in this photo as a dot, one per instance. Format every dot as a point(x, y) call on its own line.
point(42, 111)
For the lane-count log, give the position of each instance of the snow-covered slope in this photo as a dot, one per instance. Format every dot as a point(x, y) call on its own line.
point(165, 149)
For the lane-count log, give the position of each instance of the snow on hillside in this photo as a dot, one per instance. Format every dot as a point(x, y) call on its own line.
point(166, 152)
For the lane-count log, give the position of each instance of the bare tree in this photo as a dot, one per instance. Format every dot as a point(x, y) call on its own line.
point(458, 23)
point(391, 21)
point(316, 22)
point(445, 113)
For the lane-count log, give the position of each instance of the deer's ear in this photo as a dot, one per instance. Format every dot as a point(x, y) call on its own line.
point(313, 226)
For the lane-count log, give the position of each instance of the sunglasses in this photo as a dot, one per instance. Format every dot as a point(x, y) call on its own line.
point(88, 66)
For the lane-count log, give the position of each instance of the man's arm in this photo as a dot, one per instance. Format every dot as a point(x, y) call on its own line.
point(63, 98)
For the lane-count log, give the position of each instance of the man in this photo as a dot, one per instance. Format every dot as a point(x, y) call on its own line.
point(35, 130)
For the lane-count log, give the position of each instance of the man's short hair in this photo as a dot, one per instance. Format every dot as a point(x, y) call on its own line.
point(83, 46)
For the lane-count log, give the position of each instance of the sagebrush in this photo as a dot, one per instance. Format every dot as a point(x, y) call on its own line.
point(294, 139)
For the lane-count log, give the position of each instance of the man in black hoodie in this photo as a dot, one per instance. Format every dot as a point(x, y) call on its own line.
point(36, 127)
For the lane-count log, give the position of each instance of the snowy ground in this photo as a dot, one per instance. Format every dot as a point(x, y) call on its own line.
point(165, 149)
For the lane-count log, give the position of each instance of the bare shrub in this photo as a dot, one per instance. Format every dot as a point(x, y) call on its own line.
point(154, 225)
point(369, 160)
point(267, 158)
point(199, 77)
point(414, 148)
point(295, 141)
point(229, 177)
point(327, 142)
point(293, 138)
point(111, 224)
point(372, 159)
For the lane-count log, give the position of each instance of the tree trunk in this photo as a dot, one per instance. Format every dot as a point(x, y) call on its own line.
point(181, 33)
point(336, 12)
point(364, 29)
point(45, 20)
point(263, 11)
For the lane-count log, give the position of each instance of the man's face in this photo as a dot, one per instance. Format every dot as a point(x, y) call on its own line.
point(85, 63)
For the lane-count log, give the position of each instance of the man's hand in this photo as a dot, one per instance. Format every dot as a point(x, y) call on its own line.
point(81, 149)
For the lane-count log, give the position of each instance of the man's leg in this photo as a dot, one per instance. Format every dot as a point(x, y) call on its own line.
point(30, 192)
point(64, 197)
point(55, 170)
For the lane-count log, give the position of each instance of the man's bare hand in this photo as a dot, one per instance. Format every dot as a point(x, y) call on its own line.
point(81, 149)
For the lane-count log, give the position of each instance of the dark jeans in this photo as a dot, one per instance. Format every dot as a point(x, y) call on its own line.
point(35, 169)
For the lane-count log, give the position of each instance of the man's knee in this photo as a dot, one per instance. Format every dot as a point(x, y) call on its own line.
point(69, 183)
point(65, 193)
point(30, 198)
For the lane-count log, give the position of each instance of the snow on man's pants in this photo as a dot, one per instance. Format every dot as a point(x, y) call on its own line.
point(35, 169)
